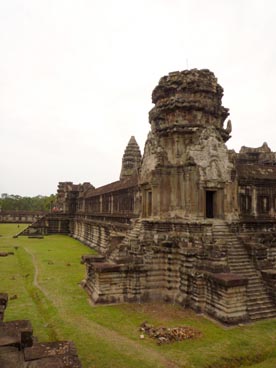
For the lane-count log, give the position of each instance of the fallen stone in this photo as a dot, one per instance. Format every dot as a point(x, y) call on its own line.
point(5, 254)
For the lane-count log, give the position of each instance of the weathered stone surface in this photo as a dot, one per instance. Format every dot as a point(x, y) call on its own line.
point(17, 333)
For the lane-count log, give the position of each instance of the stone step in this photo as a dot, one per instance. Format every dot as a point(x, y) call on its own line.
point(237, 254)
point(225, 236)
point(255, 285)
point(237, 251)
point(242, 266)
point(259, 299)
point(241, 263)
point(245, 267)
point(243, 270)
point(254, 296)
point(262, 314)
point(259, 305)
point(254, 280)
point(257, 293)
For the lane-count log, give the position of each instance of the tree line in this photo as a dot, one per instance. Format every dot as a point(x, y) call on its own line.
point(12, 202)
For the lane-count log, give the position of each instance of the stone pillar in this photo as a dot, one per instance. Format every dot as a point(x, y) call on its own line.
point(254, 201)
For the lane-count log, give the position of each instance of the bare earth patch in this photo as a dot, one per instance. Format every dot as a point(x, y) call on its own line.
point(162, 312)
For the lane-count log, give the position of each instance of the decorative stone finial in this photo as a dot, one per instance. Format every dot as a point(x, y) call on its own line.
point(229, 126)
point(131, 159)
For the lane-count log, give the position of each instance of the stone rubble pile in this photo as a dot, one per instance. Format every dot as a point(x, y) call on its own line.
point(166, 335)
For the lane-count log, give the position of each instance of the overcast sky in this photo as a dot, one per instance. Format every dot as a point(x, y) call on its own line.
point(76, 78)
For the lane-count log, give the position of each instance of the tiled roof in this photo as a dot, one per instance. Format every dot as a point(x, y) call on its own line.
point(257, 172)
point(113, 187)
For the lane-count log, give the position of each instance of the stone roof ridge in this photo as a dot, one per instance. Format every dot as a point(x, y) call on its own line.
point(124, 183)
point(263, 149)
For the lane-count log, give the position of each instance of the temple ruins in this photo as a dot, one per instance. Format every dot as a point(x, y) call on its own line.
point(19, 348)
point(189, 222)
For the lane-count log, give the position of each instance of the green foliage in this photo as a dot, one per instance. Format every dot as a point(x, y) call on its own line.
point(17, 203)
point(45, 275)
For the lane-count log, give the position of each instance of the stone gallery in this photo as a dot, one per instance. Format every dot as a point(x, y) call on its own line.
point(189, 222)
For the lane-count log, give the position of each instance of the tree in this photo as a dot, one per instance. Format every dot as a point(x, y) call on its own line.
point(14, 202)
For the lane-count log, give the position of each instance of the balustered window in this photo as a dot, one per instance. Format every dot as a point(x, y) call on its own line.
point(263, 204)
point(245, 203)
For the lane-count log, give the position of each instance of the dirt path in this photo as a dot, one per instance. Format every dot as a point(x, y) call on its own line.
point(121, 343)
point(36, 284)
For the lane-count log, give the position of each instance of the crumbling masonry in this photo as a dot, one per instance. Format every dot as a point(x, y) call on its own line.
point(191, 222)
point(20, 349)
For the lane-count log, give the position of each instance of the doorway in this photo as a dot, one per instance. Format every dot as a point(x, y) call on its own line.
point(210, 195)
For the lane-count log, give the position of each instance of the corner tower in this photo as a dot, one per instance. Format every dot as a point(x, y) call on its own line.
point(186, 170)
point(131, 160)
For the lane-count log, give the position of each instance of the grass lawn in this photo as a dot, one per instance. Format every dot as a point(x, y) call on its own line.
point(44, 274)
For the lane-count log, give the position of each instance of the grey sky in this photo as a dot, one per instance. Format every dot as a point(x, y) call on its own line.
point(76, 78)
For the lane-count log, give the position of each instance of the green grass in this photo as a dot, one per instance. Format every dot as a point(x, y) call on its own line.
point(108, 336)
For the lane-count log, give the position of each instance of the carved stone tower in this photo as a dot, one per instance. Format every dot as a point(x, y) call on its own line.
point(131, 159)
point(186, 165)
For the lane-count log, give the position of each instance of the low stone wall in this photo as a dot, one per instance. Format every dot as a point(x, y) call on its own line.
point(49, 224)
point(186, 263)
point(226, 298)
point(20, 216)
point(269, 277)
point(149, 266)
point(114, 283)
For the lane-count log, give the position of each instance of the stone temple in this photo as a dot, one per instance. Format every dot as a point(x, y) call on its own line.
point(189, 222)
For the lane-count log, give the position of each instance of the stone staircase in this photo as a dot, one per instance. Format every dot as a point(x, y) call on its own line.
point(259, 304)
point(123, 248)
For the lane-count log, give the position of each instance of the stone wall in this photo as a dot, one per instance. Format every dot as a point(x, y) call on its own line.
point(172, 262)
point(98, 232)
point(20, 216)
point(54, 223)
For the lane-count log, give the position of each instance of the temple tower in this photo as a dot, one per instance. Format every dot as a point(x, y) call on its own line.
point(131, 161)
point(187, 170)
